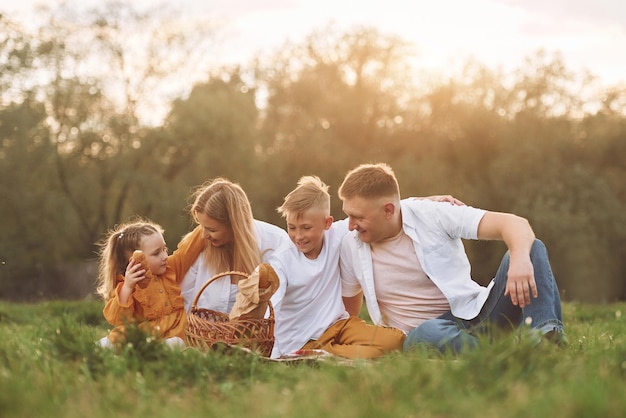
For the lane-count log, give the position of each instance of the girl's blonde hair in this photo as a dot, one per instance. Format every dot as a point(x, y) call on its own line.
point(227, 203)
point(116, 249)
point(311, 193)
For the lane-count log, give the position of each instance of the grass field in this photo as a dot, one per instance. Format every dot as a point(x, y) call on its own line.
point(50, 367)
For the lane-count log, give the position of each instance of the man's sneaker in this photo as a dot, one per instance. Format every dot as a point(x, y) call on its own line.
point(556, 337)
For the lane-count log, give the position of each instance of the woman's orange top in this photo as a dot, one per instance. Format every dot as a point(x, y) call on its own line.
point(159, 308)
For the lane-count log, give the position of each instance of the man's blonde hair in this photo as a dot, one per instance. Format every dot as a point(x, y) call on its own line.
point(311, 193)
point(370, 181)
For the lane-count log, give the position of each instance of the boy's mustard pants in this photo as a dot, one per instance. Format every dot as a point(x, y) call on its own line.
point(354, 338)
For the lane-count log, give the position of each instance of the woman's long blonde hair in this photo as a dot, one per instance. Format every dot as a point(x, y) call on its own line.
point(227, 203)
point(116, 249)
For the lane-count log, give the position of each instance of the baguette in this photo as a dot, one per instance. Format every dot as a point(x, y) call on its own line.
point(254, 293)
point(140, 257)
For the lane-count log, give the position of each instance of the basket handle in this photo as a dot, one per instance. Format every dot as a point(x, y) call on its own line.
point(211, 280)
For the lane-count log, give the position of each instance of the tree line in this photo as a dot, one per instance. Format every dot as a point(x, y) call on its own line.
point(80, 153)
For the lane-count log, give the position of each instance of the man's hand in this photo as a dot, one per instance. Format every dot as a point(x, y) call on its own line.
point(444, 198)
point(520, 284)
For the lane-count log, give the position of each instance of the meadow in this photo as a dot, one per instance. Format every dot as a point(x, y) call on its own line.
point(50, 367)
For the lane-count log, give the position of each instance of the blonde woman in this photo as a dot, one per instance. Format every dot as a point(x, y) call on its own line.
point(236, 241)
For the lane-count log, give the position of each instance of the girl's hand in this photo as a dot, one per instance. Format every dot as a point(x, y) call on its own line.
point(134, 274)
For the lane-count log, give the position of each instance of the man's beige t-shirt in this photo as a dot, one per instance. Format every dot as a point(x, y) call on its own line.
point(406, 296)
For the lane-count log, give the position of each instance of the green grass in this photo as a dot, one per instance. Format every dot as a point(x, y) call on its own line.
point(50, 367)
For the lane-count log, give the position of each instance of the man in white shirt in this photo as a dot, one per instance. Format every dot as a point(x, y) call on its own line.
point(407, 259)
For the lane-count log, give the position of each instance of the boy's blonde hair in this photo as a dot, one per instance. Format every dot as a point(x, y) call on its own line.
point(370, 181)
point(116, 249)
point(227, 203)
point(310, 193)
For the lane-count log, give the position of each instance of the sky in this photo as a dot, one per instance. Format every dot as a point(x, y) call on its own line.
point(589, 34)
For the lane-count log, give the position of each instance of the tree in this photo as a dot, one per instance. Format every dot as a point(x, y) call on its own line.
point(85, 79)
point(210, 133)
point(331, 102)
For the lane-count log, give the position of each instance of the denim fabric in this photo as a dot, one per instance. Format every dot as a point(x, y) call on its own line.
point(542, 314)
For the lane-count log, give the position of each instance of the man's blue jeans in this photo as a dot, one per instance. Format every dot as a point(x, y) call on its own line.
point(543, 314)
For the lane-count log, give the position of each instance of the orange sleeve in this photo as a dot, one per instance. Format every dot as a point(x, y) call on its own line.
point(117, 313)
point(189, 248)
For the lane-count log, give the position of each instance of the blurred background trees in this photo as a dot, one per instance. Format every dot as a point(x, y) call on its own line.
point(82, 146)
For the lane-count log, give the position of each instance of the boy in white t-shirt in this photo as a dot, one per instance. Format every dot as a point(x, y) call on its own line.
point(309, 309)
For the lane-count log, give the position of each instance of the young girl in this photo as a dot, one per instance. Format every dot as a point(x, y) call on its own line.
point(236, 242)
point(156, 304)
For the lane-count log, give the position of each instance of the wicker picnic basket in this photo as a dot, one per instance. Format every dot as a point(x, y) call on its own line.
point(206, 327)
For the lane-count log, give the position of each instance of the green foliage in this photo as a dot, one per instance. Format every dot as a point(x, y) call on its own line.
point(76, 158)
point(50, 366)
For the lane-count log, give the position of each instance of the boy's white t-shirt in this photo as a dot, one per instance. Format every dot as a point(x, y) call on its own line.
point(308, 300)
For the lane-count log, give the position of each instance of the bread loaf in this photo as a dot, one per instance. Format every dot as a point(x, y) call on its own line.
point(140, 257)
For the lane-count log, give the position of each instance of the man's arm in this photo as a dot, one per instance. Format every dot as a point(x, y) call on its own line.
point(518, 236)
point(353, 304)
